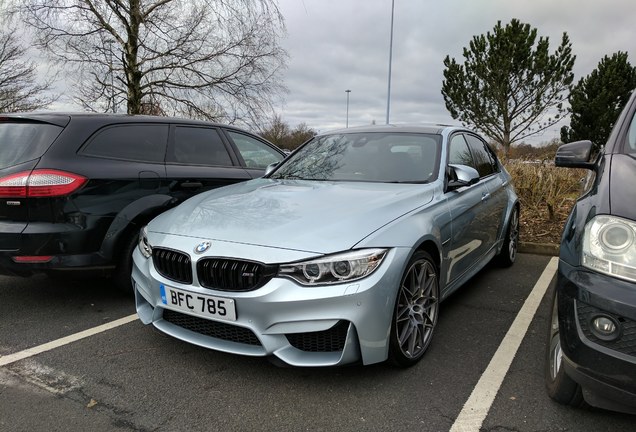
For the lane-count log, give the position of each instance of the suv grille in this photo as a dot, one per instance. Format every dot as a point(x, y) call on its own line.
point(233, 275)
point(214, 329)
point(173, 265)
point(331, 340)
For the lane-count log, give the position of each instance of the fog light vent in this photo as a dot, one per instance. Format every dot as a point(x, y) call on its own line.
point(605, 327)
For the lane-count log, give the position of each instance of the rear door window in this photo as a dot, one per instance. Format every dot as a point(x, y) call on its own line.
point(21, 142)
point(198, 146)
point(486, 163)
point(135, 142)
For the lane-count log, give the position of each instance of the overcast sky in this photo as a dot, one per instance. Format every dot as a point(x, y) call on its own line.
point(335, 45)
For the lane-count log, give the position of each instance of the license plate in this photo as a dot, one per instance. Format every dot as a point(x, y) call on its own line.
point(202, 305)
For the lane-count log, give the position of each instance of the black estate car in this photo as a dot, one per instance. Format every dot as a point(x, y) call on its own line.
point(76, 188)
point(591, 352)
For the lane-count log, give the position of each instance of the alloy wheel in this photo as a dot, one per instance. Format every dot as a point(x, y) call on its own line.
point(417, 309)
point(555, 356)
point(513, 239)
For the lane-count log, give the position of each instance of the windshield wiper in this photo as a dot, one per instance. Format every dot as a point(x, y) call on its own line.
point(287, 177)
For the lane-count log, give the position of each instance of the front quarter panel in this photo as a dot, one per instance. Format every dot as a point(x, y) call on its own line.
point(593, 202)
point(428, 224)
point(423, 223)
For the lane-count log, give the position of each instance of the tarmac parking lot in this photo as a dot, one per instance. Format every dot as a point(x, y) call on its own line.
point(73, 357)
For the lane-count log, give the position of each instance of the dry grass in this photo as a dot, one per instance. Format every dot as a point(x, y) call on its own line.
point(547, 194)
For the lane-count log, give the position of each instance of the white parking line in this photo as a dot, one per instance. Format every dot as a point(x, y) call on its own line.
point(478, 404)
point(12, 358)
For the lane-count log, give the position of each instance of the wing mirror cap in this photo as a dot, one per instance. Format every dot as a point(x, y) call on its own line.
point(462, 175)
point(271, 167)
point(576, 154)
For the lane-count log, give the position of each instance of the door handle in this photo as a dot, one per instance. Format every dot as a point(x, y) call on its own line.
point(485, 196)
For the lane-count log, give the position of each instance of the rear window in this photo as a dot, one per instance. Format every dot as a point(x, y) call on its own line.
point(22, 142)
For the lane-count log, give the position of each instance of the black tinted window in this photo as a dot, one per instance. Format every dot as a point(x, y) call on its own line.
point(199, 146)
point(485, 161)
point(145, 143)
point(21, 142)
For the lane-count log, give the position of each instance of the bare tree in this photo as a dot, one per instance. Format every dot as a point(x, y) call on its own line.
point(276, 131)
point(20, 89)
point(212, 59)
point(279, 133)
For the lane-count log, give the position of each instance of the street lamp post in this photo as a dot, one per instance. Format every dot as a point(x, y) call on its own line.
point(347, 92)
point(388, 96)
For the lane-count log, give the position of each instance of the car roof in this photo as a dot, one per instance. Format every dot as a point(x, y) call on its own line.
point(406, 128)
point(62, 118)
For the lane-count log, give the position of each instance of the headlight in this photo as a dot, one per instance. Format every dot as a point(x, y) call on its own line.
point(333, 269)
point(143, 245)
point(608, 246)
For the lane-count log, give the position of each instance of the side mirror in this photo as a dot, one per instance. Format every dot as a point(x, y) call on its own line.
point(461, 175)
point(271, 167)
point(575, 155)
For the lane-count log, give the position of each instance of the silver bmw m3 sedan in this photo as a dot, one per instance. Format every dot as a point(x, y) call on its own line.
point(342, 253)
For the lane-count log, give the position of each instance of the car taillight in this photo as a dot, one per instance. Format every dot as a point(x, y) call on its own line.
point(40, 183)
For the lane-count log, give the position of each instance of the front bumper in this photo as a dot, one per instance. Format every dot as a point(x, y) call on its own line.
point(606, 370)
point(301, 326)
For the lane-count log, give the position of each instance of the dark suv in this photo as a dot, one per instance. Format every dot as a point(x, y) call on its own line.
point(591, 353)
point(76, 188)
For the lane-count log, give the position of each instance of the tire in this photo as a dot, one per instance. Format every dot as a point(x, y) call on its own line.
point(508, 253)
point(416, 310)
point(121, 275)
point(559, 385)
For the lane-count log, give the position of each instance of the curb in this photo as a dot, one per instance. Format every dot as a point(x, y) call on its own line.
point(539, 248)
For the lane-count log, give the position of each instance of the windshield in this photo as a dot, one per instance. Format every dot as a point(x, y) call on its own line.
point(389, 157)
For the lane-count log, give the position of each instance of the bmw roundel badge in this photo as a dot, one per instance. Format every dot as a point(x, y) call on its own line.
point(202, 247)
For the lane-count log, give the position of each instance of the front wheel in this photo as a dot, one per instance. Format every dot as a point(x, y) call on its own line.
point(559, 385)
point(508, 253)
point(416, 311)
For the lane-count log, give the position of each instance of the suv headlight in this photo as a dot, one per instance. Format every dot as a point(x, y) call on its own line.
point(609, 246)
point(143, 245)
point(333, 269)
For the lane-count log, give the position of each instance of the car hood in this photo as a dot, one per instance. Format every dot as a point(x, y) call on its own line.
point(310, 216)
point(622, 190)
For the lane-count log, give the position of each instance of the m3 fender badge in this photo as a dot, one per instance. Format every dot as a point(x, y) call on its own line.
point(202, 247)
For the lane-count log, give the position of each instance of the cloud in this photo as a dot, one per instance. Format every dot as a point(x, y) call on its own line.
point(335, 45)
